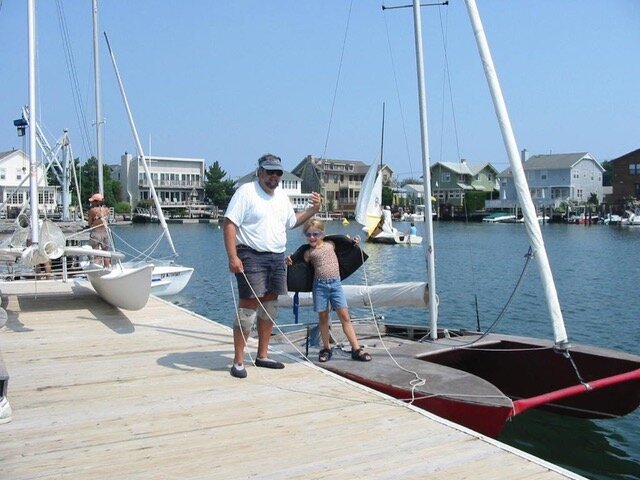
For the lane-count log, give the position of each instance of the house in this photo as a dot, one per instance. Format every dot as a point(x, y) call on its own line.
point(553, 179)
point(625, 181)
point(451, 180)
point(291, 184)
point(14, 185)
point(414, 194)
point(178, 181)
point(338, 181)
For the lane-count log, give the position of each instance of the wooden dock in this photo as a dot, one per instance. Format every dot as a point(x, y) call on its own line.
point(101, 393)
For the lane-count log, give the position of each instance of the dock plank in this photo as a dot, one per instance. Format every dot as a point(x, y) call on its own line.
point(101, 393)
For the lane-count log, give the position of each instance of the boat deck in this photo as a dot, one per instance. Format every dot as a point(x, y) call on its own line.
point(101, 393)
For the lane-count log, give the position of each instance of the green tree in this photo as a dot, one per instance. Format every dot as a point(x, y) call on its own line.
point(387, 195)
point(218, 190)
point(89, 182)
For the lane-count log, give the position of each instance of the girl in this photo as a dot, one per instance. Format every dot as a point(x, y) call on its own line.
point(327, 289)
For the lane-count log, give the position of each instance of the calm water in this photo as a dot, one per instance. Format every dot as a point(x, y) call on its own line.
point(596, 271)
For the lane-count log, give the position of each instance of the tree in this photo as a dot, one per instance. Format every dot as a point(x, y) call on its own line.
point(89, 182)
point(387, 196)
point(219, 191)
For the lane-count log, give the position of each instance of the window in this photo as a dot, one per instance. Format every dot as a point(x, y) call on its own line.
point(543, 174)
point(634, 169)
point(637, 185)
point(446, 177)
point(3, 173)
point(18, 174)
point(579, 193)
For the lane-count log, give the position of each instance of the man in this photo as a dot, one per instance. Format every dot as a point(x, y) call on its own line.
point(255, 237)
point(98, 215)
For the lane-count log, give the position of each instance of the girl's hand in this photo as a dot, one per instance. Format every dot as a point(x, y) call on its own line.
point(288, 260)
point(356, 240)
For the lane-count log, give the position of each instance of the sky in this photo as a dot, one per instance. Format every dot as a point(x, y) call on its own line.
point(228, 81)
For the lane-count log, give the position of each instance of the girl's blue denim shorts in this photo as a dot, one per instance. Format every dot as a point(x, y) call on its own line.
point(328, 293)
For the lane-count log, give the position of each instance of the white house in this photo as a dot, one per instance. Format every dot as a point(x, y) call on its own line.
point(291, 184)
point(14, 184)
point(178, 181)
point(554, 179)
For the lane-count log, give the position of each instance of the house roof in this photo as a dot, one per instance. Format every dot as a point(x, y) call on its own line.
point(417, 187)
point(250, 176)
point(318, 163)
point(464, 167)
point(555, 161)
point(11, 152)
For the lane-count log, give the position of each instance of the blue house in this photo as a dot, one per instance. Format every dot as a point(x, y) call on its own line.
point(553, 179)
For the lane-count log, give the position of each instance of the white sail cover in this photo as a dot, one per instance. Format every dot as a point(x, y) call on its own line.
point(369, 205)
point(403, 294)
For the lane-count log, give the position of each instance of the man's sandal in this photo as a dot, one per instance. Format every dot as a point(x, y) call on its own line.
point(324, 355)
point(360, 355)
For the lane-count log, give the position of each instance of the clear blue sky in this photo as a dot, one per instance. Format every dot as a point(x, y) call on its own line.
point(230, 80)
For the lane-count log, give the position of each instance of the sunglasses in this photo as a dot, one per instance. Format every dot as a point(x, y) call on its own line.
point(313, 234)
point(278, 173)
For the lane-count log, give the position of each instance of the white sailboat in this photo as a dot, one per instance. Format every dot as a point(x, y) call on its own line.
point(126, 288)
point(482, 379)
point(168, 278)
point(376, 221)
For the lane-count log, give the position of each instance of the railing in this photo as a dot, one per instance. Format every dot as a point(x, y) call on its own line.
point(171, 183)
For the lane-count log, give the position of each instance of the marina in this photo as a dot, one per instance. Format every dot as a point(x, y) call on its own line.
point(477, 261)
point(99, 392)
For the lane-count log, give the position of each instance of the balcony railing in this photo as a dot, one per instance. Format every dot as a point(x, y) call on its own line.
point(171, 183)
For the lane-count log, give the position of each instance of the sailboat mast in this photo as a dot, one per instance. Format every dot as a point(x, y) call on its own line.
point(382, 137)
point(33, 162)
point(98, 101)
point(522, 187)
point(426, 174)
point(134, 130)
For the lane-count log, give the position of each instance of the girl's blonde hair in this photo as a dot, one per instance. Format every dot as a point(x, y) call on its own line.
point(313, 223)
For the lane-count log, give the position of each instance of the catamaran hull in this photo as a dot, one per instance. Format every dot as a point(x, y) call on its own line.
point(126, 288)
point(169, 280)
point(500, 376)
point(486, 419)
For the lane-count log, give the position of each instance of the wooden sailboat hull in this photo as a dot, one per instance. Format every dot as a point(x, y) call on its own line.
point(500, 376)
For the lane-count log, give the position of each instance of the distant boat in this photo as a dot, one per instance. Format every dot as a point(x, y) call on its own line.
point(499, 217)
point(632, 219)
point(369, 213)
point(418, 215)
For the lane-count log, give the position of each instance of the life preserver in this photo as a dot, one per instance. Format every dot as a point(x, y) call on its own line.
point(300, 273)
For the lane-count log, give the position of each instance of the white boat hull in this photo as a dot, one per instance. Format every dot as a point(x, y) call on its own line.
point(169, 279)
point(396, 238)
point(126, 288)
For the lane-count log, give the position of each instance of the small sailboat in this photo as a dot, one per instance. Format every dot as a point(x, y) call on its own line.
point(482, 379)
point(376, 221)
point(168, 278)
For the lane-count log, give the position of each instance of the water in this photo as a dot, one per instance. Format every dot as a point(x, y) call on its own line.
point(596, 273)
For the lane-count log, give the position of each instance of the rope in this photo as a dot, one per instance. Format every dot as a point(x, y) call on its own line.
point(309, 363)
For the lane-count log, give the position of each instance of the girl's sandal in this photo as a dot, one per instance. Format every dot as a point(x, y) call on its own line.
point(324, 355)
point(360, 355)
